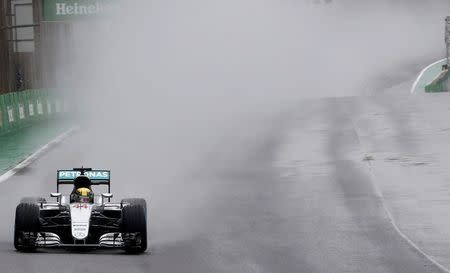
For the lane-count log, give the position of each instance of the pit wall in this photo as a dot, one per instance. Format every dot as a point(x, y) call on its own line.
point(25, 108)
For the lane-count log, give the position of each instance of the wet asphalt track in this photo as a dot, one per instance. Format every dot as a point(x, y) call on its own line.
point(243, 210)
point(283, 194)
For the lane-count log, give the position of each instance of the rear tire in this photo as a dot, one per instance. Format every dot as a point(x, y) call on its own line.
point(26, 227)
point(33, 200)
point(136, 201)
point(134, 228)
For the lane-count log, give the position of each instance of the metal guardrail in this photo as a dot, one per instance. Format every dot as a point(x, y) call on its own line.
point(18, 26)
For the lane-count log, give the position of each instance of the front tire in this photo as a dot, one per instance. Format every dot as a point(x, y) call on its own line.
point(134, 228)
point(26, 226)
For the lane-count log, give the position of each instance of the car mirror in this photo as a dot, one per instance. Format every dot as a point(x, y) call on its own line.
point(55, 194)
point(107, 195)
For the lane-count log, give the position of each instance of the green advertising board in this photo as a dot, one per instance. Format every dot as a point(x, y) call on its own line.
point(67, 10)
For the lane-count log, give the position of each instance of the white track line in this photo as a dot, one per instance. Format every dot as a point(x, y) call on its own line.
point(37, 154)
point(389, 215)
point(405, 237)
point(413, 89)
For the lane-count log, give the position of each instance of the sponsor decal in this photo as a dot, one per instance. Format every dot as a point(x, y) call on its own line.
point(94, 175)
point(80, 215)
point(62, 10)
point(80, 206)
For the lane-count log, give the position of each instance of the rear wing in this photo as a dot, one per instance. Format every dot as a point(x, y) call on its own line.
point(97, 177)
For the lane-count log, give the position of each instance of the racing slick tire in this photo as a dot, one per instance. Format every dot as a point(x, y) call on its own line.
point(136, 201)
point(26, 226)
point(33, 200)
point(134, 228)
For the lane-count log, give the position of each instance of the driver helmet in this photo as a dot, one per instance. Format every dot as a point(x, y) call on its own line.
point(85, 195)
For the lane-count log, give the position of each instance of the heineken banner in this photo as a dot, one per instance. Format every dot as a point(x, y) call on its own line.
point(64, 10)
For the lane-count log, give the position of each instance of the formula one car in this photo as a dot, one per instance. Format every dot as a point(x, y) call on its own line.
point(81, 219)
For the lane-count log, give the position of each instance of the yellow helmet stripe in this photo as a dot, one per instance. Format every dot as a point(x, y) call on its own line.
point(84, 191)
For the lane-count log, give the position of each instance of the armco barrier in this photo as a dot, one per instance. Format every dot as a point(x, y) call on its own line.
point(21, 109)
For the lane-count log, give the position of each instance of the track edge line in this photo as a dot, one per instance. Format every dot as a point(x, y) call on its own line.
point(34, 156)
point(405, 237)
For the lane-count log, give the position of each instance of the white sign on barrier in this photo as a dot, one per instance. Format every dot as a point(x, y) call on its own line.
point(65, 106)
point(57, 106)
point(31, 109)
point(21, 111)
point(39, 107)
point(10, 114)
point(49, 107)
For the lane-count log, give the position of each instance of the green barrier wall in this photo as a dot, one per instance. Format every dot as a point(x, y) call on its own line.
point(22, 109)
point(440, 84)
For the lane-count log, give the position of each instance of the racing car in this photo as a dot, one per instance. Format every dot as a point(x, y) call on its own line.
point(81, 219)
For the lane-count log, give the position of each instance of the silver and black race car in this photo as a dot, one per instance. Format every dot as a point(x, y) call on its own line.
point(81, 219)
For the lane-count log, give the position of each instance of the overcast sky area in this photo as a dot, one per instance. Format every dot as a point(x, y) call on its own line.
point(252, 50)
point(195, 58)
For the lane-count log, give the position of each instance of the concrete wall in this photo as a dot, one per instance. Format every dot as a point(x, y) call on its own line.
point(4, 55)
